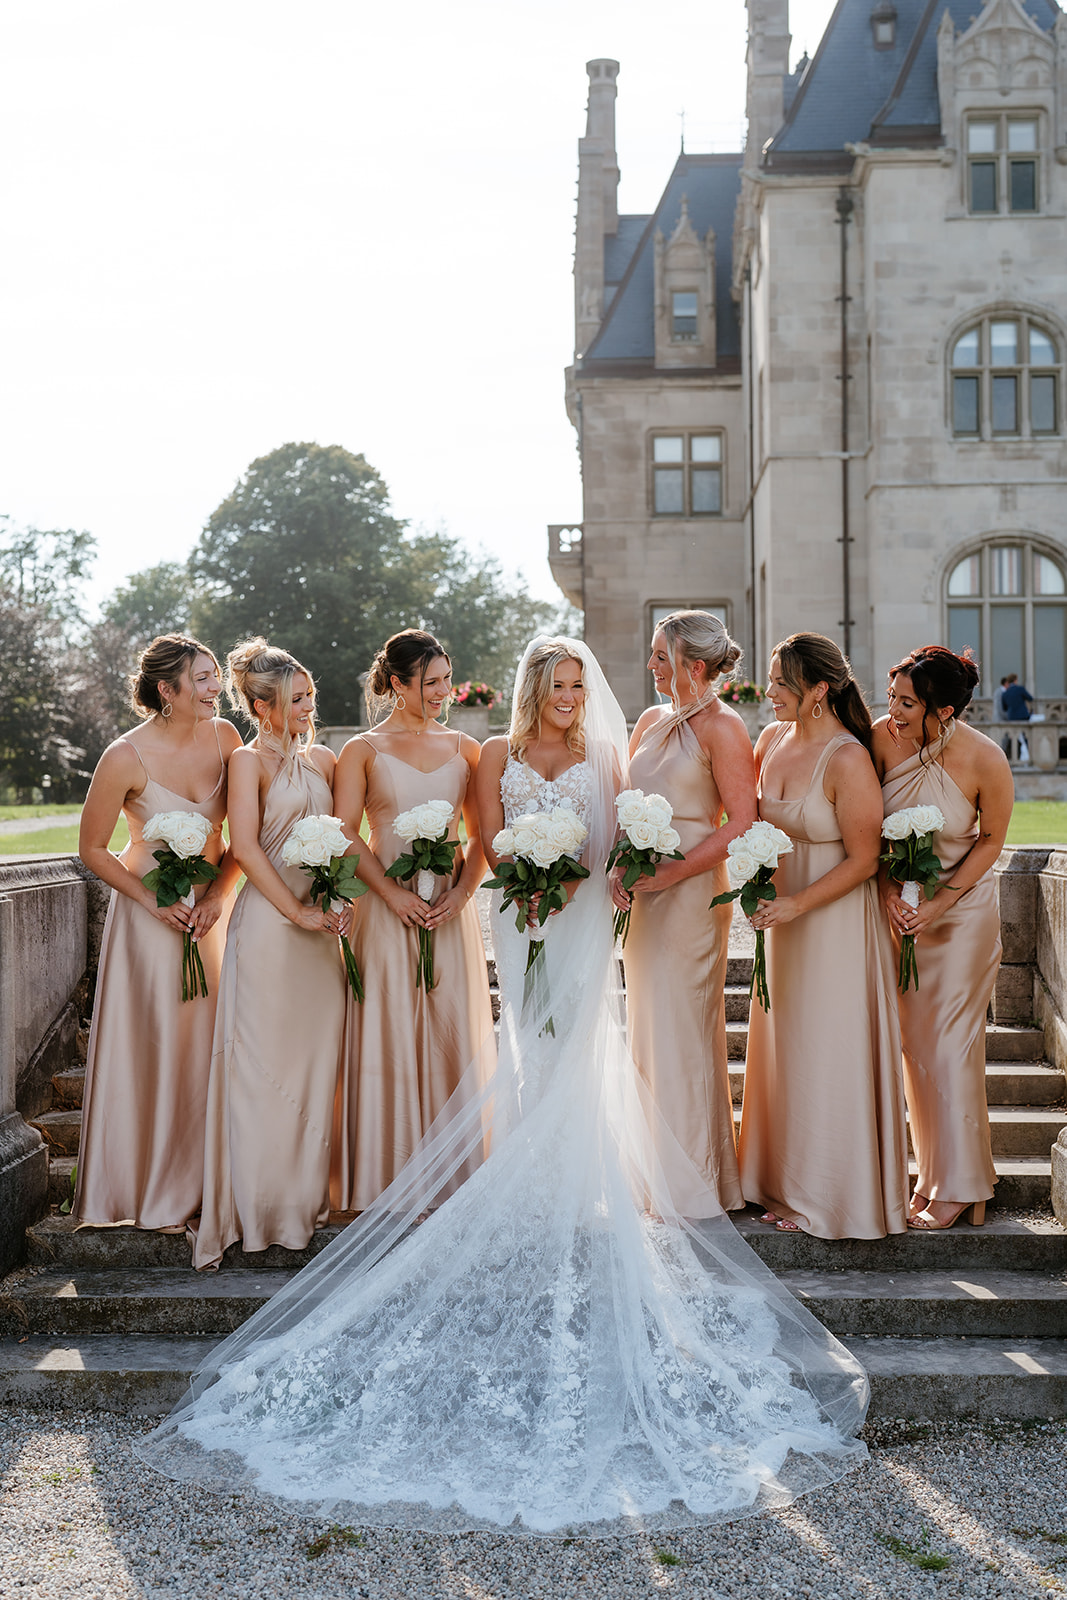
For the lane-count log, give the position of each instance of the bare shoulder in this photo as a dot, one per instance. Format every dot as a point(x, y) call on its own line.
point(493, 753)
point(884, 749)
point(983, 753)
point(323, 760)
point(229, 737)
point(851, 763)
point(470, 749)
point(648, 719)
point(721, 728)
point(119, 766)
point(766, 738)
point(245, 759)
point(356, 752)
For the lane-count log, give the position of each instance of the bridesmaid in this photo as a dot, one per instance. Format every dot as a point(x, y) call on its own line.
point(277, 1042)
point(926, 757)
point(698, 755)
point(406, 1050)
point(141, 1159)
point(823, 1133)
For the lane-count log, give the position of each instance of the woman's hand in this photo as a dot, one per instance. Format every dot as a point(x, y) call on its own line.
point(313, 919)
point(666, 874)
point(204, 915)
point(176, 916)
point(926, 914)
point(620, 897)
point(409, 907)
point(448, 907)
point(776, 913)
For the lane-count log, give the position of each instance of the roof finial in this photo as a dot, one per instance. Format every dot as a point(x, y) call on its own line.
point(681, 119)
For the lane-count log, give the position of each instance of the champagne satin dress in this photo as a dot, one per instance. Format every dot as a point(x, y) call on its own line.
point(141, 1157)
point(823, 1129)
point(276, 1054)
point(675, 959)
point(943, 1022)
point(406, 1050)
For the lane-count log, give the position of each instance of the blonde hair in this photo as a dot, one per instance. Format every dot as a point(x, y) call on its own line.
point(698, 636)
point(256, 670)
point(163, 661)
point(533, 693)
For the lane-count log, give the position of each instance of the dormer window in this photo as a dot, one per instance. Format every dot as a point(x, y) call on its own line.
point(1002, 159)
point(884, 26)
point(684, 316)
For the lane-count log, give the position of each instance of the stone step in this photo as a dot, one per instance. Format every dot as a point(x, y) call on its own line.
point(921, 1379)
point(1008, 1083)
point(61, 1172)
point(153, 1301)
point(1015, 1131)
point(978, 1303)
point(1003, 1043)
point(60, 1130)
point(1002, 1243)
point(932, 1305)
point(1024, 1183)
point(68, 1088)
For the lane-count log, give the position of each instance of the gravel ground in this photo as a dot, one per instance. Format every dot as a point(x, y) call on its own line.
point(80, 1517)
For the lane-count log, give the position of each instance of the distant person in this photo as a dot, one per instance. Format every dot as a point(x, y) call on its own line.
point(1017, 700)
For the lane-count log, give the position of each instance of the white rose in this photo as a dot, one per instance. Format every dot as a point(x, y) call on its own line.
point(504, 843)
point(630, 806)
point(526, 831)
point(569, 829)
point(184, 832)
point(434, 818)
point(658, 810)
point(741, 867)
point(928, 819)
point(668, 841)
point(896, 826)
point(544, 852)
point(643, 835)
point(314, 841)
point(406, 825)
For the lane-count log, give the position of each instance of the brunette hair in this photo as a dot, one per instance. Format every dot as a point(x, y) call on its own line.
point(532, 695)
point(698, 636)
point(163, 661)
point(256, 670)
point(940, 678)
point(806, 659)
point(403, 656)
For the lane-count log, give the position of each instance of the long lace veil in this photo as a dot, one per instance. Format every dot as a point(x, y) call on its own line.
point(555, 1347)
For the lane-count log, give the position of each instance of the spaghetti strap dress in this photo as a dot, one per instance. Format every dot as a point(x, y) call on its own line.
point(823, 1128)
point(141, 1157)
point(405, 1050)
point(276, 1054)
point(943, 1022)
point(675, 960)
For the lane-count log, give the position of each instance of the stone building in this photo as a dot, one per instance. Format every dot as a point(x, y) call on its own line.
point(822, 385)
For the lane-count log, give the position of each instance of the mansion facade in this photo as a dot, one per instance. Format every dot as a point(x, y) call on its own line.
point(822, 385)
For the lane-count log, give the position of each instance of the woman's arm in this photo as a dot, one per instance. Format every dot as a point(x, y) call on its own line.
point(118, 775)
point(642, 725)
point(209, 906)
point(248, 779)
point(350, 798)
point(852, 787)
point(454, 899)
point(491, 764)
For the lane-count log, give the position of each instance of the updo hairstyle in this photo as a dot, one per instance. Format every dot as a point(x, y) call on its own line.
point(940, 678)
point(533, 693)
point(406, 655)
point(806, 659)
point(256, 670)
point(163, 661)
point(693, 636)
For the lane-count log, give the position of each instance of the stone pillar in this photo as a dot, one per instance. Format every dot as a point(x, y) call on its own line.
point(598, 210)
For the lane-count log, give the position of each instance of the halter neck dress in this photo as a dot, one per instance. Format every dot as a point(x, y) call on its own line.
point(141, 1157)
point(823, 1125)
point(675, 959)
point(275, 1056)
point(406, 1050)
point(943, 1021)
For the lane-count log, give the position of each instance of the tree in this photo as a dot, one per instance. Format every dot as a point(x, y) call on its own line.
point(44, 570)
point(157, 600)
point(36, 727)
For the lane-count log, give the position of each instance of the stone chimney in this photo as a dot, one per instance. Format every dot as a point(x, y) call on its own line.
point(768, 63)
point(598, 203)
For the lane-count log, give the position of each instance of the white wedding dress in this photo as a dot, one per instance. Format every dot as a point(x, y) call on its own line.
point(553, 1349)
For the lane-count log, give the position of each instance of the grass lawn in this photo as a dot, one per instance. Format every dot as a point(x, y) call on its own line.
point(56, 841)
point(14, 813)
point(1039, 822)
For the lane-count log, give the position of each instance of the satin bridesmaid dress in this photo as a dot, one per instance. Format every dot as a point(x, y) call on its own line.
point(823, 1126)
point(276, 1054)
point(675, 960)
point(141, 1158)
point(943, 1022)
point(406, 1050)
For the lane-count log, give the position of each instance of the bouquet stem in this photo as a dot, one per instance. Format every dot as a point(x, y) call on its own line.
point(424, 973)
point(194, 979)
point(355, 981)
point(758, 985)
point(621, 925)
point(536, 953)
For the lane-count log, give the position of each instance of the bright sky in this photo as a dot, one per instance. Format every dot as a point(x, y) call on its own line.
point(232, 223)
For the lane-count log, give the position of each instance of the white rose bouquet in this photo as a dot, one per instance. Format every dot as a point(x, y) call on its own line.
point(544, 846)
point(432, 855)
point(183, 835)
point(751, 862)
point(910, 861)
point(317, 846)
point(648, 838)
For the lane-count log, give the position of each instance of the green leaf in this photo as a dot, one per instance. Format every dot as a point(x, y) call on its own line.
point(631, 875)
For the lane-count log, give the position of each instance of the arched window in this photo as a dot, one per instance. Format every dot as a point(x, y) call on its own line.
point(1007, 600)
point(1006, 380)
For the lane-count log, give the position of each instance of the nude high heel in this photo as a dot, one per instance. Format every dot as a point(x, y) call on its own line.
point(923, 1222)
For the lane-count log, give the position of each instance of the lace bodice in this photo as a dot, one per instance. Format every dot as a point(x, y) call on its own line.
point(523, 790)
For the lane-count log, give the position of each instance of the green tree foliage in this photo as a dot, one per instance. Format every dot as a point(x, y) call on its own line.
point(152, 602)
point(307, 552)
point(43, 570)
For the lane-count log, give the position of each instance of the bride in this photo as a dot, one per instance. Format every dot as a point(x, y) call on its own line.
point(554, 1349)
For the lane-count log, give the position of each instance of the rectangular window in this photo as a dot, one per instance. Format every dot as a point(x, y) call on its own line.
point(1042, 403)
point(1004, 343)
point(966, 577)
point(965, 629)
point(1002, 158)
point(965, 405)
point(1022, 135)
point(1050, 650)
point(1023, 185)
point(687, 474)
point(1006, 405)
point(1007, 569)
point(983, 186)
point(684, 316)
point(1007, 630)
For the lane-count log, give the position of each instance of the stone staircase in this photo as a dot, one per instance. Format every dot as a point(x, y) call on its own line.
point(971, 1322)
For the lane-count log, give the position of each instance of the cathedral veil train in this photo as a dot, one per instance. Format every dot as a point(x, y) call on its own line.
point(553, 1349)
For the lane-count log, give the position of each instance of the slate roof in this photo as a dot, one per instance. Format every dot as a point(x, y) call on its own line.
point(852, 92)
point(711, 184)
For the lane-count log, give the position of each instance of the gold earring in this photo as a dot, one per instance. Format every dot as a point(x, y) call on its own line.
point(816, 711)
